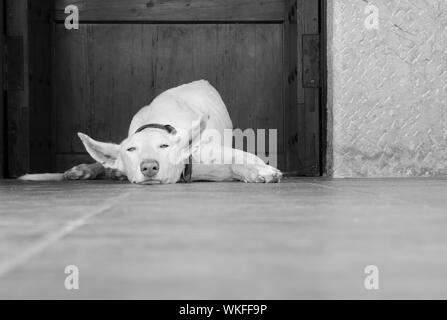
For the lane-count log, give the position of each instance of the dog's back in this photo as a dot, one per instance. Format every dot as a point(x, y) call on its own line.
point(183, 105)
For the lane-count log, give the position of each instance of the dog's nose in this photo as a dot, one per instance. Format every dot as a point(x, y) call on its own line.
point(149, 168)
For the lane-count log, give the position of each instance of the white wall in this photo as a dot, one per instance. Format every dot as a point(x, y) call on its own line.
point(388, 88)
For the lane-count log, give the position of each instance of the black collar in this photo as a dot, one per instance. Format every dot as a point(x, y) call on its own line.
point(187, 172)
point(168, 128)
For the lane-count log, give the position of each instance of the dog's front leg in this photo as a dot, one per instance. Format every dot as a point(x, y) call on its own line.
point(85, 172)
point(256, 173)
point(248, 173)
point(226, 164)
point(93, 172)
point(212, 172)
point(249, 168)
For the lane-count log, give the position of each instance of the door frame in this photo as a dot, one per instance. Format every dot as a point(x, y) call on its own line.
point(15, 157)
point(325, 121)
point(3, 134)
point(307, 132)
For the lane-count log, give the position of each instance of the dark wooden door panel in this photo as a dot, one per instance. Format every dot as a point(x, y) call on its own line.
point(303, 110)
point(262, 56)
point(40, 86)
point(290, 87)
point(174, 10)
point(17, 100)
point(3, 171)
point(104, 73)
point(308, 97)
point(27, 97)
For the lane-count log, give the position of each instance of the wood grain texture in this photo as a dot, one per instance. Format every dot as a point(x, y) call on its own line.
point(121, 67)
point(14, 56)
point(292, 58)
point(300, 31)
point(311, 61)
point(71, 91)
point(63, 162)
point(302, 121)
point(173, 10)
point(18, 101)
point(105, 73)
point(302, 239)
point(269, 107)
point(40, 33)
point(2, 105)
point(326, 112)
point(309, 131)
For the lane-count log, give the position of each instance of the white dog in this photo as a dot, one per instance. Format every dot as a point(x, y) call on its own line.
point(170, 140)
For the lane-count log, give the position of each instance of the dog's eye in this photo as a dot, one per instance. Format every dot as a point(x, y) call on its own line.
point(164, 146)
point(132, 149)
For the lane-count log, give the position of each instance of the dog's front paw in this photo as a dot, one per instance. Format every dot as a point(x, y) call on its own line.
point(115, 175)
point(257, 173)
point(81, 172)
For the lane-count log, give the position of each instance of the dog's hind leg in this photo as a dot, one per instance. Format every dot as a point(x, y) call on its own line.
point(85, 172)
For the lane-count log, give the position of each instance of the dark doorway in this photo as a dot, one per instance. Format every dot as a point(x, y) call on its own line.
point(264, 57)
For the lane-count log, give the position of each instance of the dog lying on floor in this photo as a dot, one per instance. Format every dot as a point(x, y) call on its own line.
point(173, 140)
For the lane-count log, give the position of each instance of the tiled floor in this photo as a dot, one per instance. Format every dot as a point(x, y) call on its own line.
point(304, 238)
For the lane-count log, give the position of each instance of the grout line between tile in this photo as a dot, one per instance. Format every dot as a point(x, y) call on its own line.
point(47, 241)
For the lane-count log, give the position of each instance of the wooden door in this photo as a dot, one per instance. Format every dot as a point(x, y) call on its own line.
point(3, 172)
point(262, 56)
point(25, 109)
point(125, 54)
point(304, 87)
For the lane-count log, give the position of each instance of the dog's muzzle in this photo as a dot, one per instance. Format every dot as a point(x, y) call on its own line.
point(149, 168)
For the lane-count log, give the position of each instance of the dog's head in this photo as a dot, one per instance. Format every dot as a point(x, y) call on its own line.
point(154, 154)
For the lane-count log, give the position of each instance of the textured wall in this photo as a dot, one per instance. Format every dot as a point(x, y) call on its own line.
point(388, 88)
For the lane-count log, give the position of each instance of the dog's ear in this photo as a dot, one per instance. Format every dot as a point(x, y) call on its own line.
point(197, 129)
point(105, 153)
point(188, 141)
